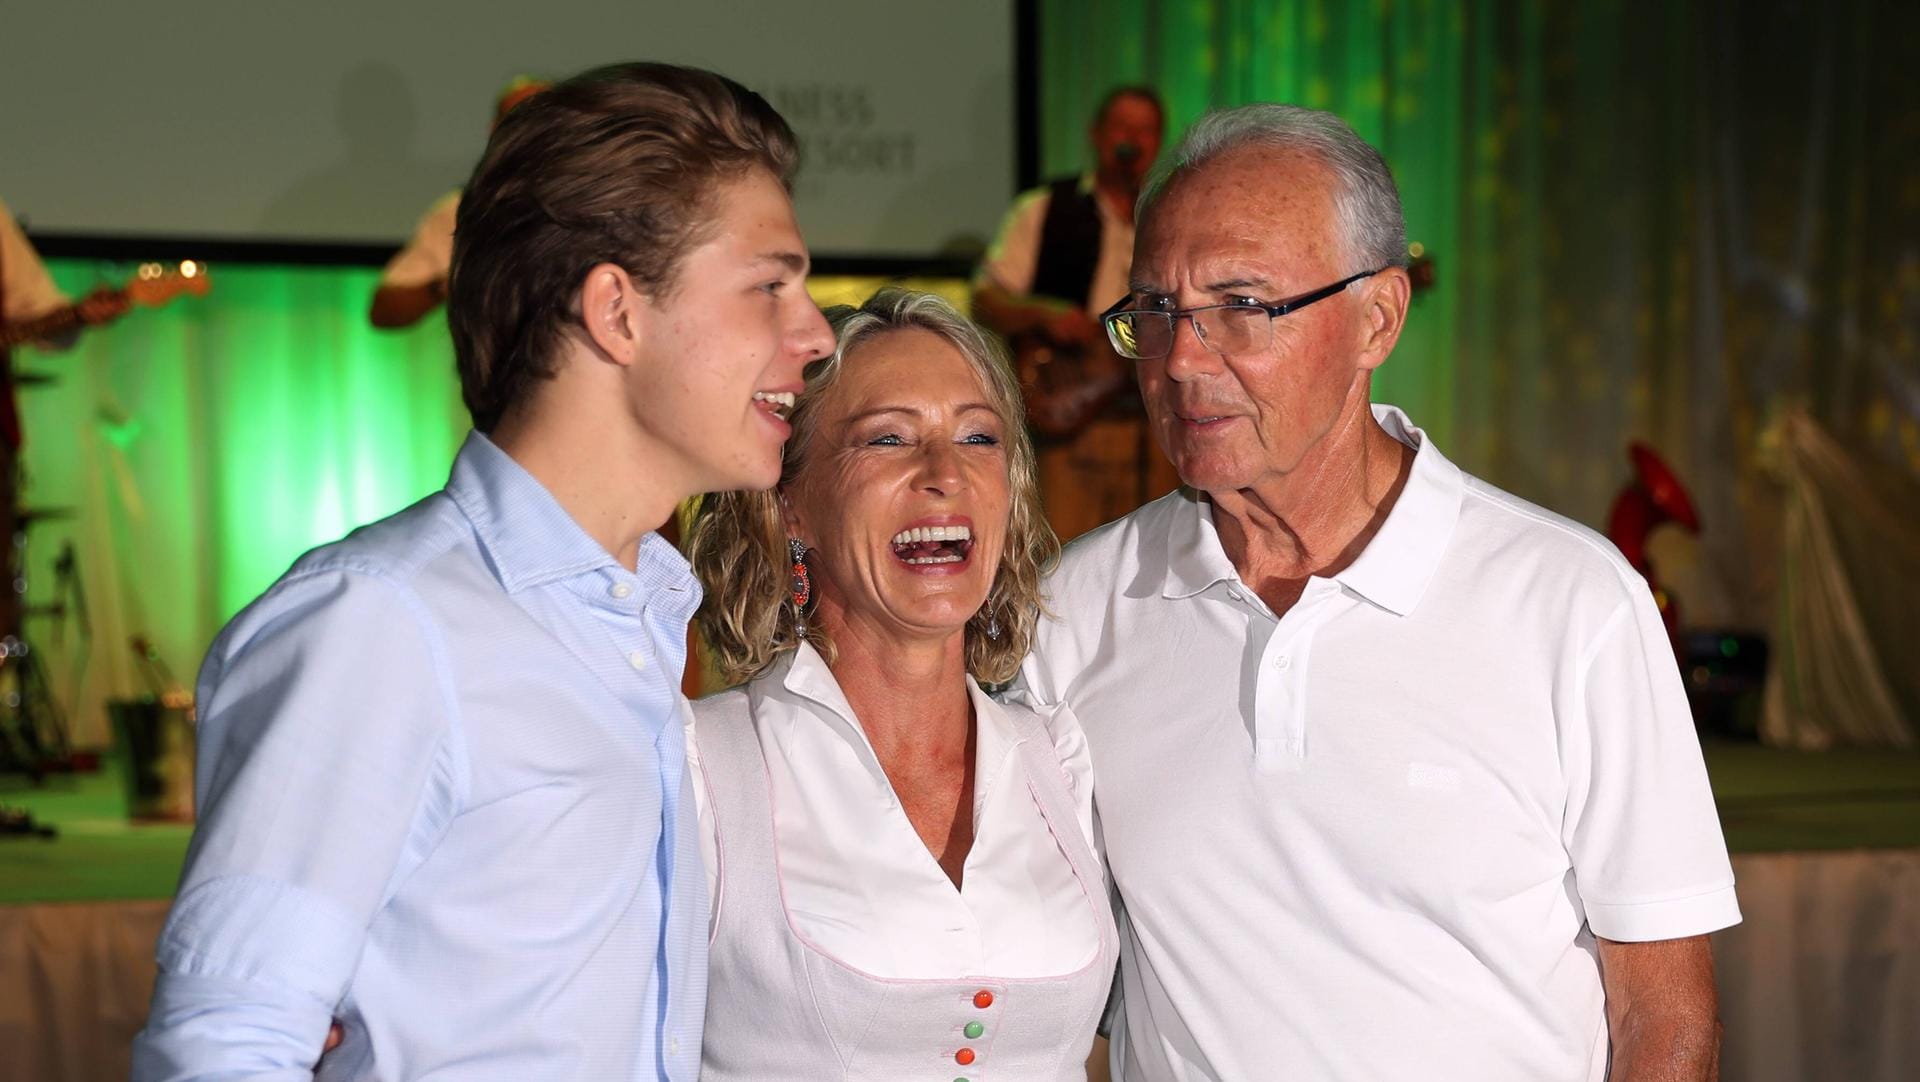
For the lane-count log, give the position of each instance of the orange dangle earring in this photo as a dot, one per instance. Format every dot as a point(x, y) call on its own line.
point(802, 587)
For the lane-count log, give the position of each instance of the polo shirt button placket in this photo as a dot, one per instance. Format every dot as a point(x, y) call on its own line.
point(1322, 602)
point(1279, 721)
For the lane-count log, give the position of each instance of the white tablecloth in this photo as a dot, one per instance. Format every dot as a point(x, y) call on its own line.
point(1821, 982)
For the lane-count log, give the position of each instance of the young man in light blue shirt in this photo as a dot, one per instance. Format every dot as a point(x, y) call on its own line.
point(442, 783)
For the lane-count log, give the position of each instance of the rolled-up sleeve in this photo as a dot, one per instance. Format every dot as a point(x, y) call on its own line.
point(328, 765)
point(1648, 856)
point(25, 287)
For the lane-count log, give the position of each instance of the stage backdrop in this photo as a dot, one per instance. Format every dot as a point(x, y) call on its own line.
point(341, 121)
point(1667, 226)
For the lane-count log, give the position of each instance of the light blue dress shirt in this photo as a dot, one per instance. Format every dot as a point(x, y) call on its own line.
point(443, 797)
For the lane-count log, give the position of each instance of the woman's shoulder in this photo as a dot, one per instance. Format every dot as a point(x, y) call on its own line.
point(1053, 726)
point(1056, 722)
point(1018, 711)
point(1055, 730)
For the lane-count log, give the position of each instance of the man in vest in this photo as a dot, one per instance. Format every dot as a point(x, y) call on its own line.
point(1060, 259)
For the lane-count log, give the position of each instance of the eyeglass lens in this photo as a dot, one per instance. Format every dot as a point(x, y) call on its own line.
point(1145, 335)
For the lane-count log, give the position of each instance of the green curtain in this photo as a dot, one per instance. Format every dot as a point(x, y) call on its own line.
point(1655, 221)
point(190, 453)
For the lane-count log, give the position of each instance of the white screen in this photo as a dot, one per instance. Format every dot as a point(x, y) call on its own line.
point(341, 121)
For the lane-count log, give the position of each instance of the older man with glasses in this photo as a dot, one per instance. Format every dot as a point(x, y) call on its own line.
point(1394, 771)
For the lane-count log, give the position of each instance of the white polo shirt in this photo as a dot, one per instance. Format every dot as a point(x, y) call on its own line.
point(1374, 838)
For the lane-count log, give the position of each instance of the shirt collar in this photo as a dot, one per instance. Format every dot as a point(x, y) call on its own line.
point(529, 538)
point(1395, 567)
point(804, 674)
point(1195, 557)
point(1391, 572)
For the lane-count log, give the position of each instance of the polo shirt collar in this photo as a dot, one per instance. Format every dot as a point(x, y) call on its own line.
point(1395, 567)
point(1195, 557)
point(1392, 572)
point(527, 536)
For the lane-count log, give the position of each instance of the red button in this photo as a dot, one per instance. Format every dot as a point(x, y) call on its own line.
point(963, 1057)
point(983, 999)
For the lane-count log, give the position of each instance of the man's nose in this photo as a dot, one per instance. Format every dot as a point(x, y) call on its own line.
point(1188, 356)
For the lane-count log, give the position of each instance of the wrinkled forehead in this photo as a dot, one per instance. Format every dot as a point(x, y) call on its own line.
point(914, 368)
point(1247, 214)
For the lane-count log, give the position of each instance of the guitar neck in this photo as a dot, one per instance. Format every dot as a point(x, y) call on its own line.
point(1063, 392)
point(54, 323)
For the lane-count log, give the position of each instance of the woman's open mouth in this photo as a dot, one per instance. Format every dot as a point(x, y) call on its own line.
point(925, 545)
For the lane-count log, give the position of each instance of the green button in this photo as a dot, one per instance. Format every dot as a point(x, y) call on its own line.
point(959, 1080)
point(975, 1029)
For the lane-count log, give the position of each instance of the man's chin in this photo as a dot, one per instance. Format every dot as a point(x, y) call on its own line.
point(1210, 474)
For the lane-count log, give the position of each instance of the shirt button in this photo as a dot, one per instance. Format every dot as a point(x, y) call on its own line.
point(963, 1057)
point(620, 590)
point(974, 1030)
point(637, 659)
point(983, 999)
point(673, 1045)
point(1283, 662)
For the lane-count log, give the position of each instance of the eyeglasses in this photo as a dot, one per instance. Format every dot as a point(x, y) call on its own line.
point(1147, 334)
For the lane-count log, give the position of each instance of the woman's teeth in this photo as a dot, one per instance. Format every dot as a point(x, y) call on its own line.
point(780, 401)
point(933, 544)
point(933, 533)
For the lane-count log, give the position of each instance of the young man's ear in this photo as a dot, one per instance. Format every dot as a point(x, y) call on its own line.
point(613, 312)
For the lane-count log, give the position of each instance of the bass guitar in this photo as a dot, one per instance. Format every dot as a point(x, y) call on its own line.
point(154, 284)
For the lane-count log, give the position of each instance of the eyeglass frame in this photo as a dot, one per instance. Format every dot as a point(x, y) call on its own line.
point(1174, 315)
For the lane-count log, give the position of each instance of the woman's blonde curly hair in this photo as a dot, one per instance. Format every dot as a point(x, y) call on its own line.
point(738, 545)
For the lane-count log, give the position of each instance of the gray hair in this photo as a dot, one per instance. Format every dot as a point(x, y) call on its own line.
point(1366, 203)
